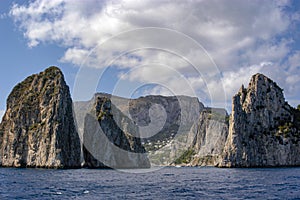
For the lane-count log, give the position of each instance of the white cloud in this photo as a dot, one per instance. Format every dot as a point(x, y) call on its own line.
point(238, 35)
point(294, 61)
point(292, 78)
point(75, 56)
point(232, 81)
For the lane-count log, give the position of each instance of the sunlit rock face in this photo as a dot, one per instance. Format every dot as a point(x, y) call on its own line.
point(38, 128)
point(264, 129)
point(208, 136)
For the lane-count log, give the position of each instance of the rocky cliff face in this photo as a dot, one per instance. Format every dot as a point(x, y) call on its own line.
point(110, 139)
point(159, 119)
point(162, 118)
point(169, 120)
point(38, 127)
point(208, 136)
point(263, 128)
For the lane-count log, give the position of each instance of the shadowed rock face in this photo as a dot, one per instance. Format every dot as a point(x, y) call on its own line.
point(156, 120)
point(38, 127)
point(263, 130)
point(110, 139)
point(157, 116)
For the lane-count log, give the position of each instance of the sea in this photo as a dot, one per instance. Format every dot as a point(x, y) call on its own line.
point(160, 183)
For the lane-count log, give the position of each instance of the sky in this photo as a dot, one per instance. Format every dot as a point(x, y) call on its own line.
point(204, 48)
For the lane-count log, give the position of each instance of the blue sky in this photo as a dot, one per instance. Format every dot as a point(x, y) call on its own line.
point(198, 48)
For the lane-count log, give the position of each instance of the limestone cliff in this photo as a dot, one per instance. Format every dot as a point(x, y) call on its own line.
point(168, 120)
point(162, 118)
point(38, 127)
point(110, 139)
point(263, 130)
point(208, 136)
point(159, 119)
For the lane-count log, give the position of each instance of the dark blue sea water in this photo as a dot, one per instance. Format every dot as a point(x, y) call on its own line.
point(166, 183)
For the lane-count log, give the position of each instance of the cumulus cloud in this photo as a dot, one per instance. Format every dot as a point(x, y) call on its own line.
point(292, 81)
point(237, 37)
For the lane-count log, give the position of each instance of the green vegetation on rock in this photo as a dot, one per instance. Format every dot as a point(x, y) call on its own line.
point(217, 116)
point(186, 157)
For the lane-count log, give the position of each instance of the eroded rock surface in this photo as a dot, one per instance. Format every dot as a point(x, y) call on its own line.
point(264, 128)
point(38, 126)
point(209, 136)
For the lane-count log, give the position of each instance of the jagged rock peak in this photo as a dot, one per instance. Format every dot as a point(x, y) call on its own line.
point(49, 74)
point(263, 130)
point(260, 77)
point(261, 93)
point(38, 127)
point(260, 81)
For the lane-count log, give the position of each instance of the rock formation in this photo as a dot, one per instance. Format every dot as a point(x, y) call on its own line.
point(208, 136)
point(264, 131)
point(169, 120)
point(110, 139)
point(38, 127)
point(159, 120)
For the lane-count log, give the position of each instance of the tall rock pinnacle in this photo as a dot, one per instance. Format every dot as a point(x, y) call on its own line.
point(38, 127)
point(263, 130)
